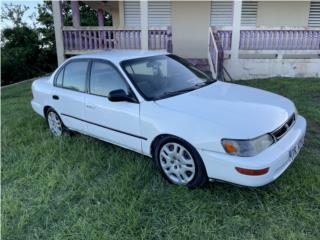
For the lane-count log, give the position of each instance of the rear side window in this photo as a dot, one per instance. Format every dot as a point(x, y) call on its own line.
point(105, 78)
point(74, 76)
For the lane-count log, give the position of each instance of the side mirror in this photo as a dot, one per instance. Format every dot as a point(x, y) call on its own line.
point(120, 96)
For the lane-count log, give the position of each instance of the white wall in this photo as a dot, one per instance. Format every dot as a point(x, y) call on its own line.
point(266, 68)
point(190, 23)
point(283, 13)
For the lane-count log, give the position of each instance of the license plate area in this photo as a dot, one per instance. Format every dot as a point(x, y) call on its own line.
point(293, 152)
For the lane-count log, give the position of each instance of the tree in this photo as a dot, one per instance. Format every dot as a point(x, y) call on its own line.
point(47, 38)
point(29, 51)
point(19, 46)
point(19, 55)
point(88, 16)
point(46, 25)
point(14, 14)
point(26, 51)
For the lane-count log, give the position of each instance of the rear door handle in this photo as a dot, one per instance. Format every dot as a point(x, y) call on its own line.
point(55, 97)
point(90, 106)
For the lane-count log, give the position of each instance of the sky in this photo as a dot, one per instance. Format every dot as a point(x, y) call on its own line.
point(30, 3)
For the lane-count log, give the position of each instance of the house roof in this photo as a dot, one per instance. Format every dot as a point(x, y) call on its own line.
point(117, 56)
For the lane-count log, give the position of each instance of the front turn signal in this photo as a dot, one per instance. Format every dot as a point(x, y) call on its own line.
point(230, 148)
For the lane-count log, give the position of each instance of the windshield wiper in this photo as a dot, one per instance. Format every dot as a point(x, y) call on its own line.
point(174, 93)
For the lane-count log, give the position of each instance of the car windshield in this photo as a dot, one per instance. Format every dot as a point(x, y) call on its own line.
point(159, 77)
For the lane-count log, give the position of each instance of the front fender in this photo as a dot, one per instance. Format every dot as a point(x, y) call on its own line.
point(157, 120)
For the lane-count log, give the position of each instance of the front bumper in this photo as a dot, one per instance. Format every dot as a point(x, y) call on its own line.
point(221, 166)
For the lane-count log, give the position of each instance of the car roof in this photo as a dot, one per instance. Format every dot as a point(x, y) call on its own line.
point(117, 56)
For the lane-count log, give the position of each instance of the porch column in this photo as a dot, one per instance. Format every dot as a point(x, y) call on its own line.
point(144, 25)
point(100, 17)
point(236, 25)
point(121, 14)
point(75, 13)
point(58, 24)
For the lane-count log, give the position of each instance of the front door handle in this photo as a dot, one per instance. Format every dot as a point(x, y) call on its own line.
point(55, 97)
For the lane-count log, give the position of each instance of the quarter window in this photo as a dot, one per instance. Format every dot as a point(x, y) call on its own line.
point(104, 78)
point(59, 78)
point(75, 76)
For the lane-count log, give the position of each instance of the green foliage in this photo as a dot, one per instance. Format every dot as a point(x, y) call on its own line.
point(46, 28)
point(77, 187)
point(14, 13)
point(19, 55)
point(88, 16)
point(47, 56)
point(27, 52)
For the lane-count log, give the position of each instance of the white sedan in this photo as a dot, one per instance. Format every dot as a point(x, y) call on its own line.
point(194, 127)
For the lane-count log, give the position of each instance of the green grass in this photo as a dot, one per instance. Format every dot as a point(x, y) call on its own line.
point(82, 188)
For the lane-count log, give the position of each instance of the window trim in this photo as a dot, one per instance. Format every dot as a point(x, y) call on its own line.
point(117, 70)
point(62, 68)
point(56, 77)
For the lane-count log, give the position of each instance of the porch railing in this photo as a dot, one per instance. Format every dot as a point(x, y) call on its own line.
point(216, 54)
point(160, 39)
point(279, 40)
point(264, 38)
point(225, 38)
point(96, 38)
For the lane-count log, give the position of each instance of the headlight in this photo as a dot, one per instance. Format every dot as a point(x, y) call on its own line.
point(247, 148)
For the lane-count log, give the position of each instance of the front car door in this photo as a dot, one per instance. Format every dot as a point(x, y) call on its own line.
point(115, 122)
point(68, 95)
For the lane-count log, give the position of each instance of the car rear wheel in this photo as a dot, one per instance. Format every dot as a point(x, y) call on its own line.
point(55, 123)
point(180, 163)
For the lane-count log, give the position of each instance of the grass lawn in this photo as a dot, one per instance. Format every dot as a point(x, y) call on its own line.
point(82, 188)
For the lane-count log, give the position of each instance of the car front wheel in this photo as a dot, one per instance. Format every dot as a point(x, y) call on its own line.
point(180, 163)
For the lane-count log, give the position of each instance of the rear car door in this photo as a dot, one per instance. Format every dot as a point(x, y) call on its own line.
point(115, 122)
point(68, 95)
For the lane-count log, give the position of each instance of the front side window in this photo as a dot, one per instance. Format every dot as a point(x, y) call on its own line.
point(74, 76)
point(104, 78)
point(163, 76)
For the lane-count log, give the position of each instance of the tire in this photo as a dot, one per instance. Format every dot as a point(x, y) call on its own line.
point(180, 167)
point(55, 123)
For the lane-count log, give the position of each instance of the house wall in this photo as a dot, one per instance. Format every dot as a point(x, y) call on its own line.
point(283, 13)
point(266, 68)
point(114, 10)
point(190, 22)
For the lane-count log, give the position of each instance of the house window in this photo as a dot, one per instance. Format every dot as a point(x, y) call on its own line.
point(159, 13)
point(221, 13)
point(314, 14)
point(131, 13)
point(249, 13)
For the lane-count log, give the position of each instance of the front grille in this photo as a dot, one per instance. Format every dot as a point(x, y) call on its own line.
point(281, 131)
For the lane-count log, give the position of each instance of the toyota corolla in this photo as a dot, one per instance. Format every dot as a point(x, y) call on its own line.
point(194, 127)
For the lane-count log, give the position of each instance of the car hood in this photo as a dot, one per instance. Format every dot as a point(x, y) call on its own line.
point(242, 112)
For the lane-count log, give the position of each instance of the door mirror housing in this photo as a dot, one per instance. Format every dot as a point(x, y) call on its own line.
point(120, 95)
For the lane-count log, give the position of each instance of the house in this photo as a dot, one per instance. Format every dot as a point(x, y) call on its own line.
point(240, 39)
